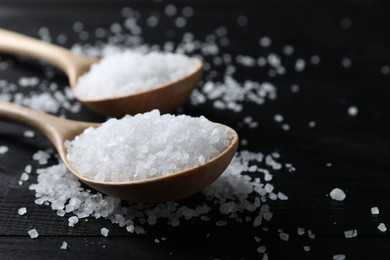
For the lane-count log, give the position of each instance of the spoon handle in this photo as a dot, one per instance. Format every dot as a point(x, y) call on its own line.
point(22, 45)
point(56, 129)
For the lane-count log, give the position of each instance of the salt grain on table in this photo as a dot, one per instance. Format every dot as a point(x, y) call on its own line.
point(337, 194)
point(350, 233)
point(33, 233)
point(22, 211)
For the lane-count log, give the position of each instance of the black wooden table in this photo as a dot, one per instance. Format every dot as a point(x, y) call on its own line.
point(328, 147)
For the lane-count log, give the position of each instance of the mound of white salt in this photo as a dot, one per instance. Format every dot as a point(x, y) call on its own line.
point(131, 72)
point(145, 146)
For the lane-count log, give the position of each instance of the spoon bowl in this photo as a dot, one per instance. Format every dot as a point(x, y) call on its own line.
point(167, 188)
point(166, 97)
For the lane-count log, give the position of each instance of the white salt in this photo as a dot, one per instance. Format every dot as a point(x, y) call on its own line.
point(278, 118)
point(300, 65)
point(374, 210)
point(283, 236)
point(72, 221)
point(3, 149)
point(353, 111)
point(132, 72)
point(306, 248)
point(265, 41)
point(288, 50)
point(312, 124)
point(382, 227)
point(104, 231)
point(385, 69)
point(261, 249)
point(339, 257)
point(145, 146)
point(346, 23)
point(64, 245)
point(301, 231)
point(28, 134)
point(337, 194)
point(350, 233)
point(22, 211)
point(33, 233)
point(24, 177)
point(346, 62)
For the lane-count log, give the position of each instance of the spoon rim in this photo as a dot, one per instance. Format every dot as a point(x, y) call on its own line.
point(198, 67)
point(232, 145)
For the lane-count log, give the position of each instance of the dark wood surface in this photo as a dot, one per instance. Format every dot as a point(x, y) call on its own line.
point(357, 147)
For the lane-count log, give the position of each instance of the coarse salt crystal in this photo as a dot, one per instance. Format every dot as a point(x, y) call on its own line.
point(353, 111)
point(382, 227)
point(160, 144)
point(374, 210)
point(104, 231)
point(350, 233)
point(22, 211)
point(64, 245)
point(337, 194)
point(283, 236)
point(111, 78)
point(33, 233)
point(306, 248)
point(339, 257)
point(72, 221)
point(3, 149)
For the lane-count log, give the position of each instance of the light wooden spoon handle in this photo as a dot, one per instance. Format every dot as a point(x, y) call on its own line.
point(56, 129)
point(73, 65)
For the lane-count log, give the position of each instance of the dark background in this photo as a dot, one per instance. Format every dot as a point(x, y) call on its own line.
point(357, 147)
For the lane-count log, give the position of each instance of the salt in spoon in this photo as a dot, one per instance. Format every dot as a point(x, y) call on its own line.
point(165, 98)
point(166, 188)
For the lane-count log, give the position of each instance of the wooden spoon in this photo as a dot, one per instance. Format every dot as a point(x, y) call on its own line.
point(172, 187)
point(165, 98)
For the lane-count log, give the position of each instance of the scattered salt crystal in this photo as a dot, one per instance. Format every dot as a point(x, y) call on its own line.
point(64, 245)
point(110, 77)
point(156, 241)
point(161, 144)
point(337, 194)
point(170, 10)
point(300, 65)
point(24, 177)
point(41, 156)
point(306, 248)
point(33, 233)
point(312, 124)
point(221, 223)
point(265, 41)
point(345, 23)
point(350, 233)
point(328, 164)
point(242, 20)
point(301, 231)
point(385, 69)
point(315, 59)
point(382, 227)
point(288, 50)
point(22, 211)
point(257, 239)
point(261, 249)
point(339, 257)
point(295, 88)
point(104, 231)
point(180, 22)
point(346, 62)
point(278, 118)
point(283, 236)
point(352, 111)
point(374, 210)
point(72, 221)
point(3, 149)
point(28, 134)
point(282, 196)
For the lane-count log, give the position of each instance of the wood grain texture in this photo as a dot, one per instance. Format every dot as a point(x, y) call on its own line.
point(357, 147)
